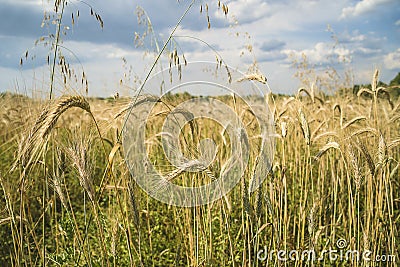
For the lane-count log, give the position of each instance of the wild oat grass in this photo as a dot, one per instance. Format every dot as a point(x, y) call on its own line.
point(334, 176)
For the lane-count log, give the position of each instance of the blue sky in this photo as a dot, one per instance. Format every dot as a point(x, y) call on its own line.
point(367, 31)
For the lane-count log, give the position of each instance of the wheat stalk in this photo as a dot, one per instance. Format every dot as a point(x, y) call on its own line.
point(356, 167)
point(367, 155)
point(352, 121)
point(78, 152)
point(382, 150)
point(326, 147)
point(31, 147)
point(57, 179)
point(304, 126)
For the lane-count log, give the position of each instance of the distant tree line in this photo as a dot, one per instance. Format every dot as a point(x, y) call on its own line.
point(393, 87)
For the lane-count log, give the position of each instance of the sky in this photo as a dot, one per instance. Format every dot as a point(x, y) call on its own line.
point(363, 35)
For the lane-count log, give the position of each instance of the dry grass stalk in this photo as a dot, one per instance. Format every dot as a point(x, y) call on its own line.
point(356, 167)
point(375, 80)
point(393, 144)
point(324, 134)
point(367, 155)
point(78, 153)
point(58, 177)
point(10, 219)
point(130, 106)
point(34, 143)
point(352, 121)
point(364, 130)
point(382, 150)
point(283, 125)
point(259, 77)
point(304, 126)
point(310, 94)
point(189, 166)
point(312, 224)
point(259, 203)
point(57, 183)
point(326, 147)
point(113, 151)
point(365, 241)
point(317, 129)
point(134, 205)
point(383, 92)
point(394, 172)
point(364, 90)
point(338, 107)
point(58, 108)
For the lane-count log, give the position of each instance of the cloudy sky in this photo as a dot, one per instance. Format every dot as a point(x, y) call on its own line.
point(367, 33)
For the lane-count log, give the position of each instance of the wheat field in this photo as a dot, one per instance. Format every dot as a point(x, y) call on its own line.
point(69, 195)
point(68, 199)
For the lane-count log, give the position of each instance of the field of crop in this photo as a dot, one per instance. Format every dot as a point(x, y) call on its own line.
point(74, 169)
point(67, 197)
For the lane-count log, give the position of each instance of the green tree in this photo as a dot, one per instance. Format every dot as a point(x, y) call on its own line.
point(395, 86)
point(396, 80)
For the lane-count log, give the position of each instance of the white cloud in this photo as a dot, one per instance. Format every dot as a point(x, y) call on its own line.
point(35, 4)
point(362, 44)
point(367, 51)
point(361, 8)
point(24, 2)
point(271, 45)
point(8, 84)
point(397, 23)
point(352, 37)
point(392, 60)
point(246, 10)
point(288, 15)
point(271, 56)
point(321, 53)
point(88, 51)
